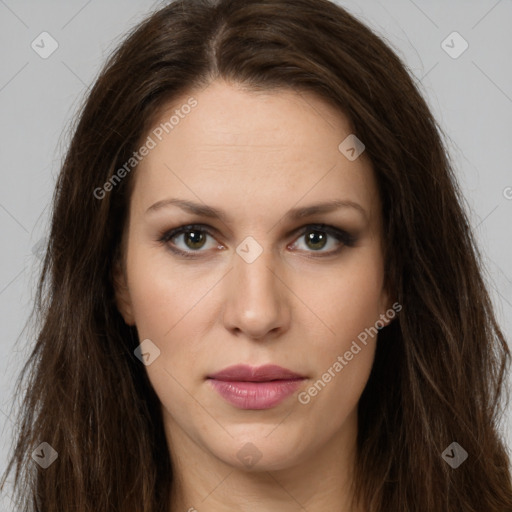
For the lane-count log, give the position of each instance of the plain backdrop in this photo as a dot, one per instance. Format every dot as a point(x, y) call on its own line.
point(469, 92)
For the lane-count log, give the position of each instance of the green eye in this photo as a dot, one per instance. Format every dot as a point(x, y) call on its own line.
point(316, 236)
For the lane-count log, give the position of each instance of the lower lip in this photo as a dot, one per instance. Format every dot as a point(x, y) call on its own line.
point(255, 395)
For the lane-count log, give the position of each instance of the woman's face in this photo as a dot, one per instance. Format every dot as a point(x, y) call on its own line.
point(258, 285)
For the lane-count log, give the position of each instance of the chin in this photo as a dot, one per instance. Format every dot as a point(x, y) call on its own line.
point(254, 453)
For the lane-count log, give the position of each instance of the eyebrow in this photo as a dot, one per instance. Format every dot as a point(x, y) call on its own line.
point(204, 210)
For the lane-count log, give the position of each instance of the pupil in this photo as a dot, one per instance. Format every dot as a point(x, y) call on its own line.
point(314, 235)
point(195, 237)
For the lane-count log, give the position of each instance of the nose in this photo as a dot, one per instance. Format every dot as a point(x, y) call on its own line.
point(256, 302)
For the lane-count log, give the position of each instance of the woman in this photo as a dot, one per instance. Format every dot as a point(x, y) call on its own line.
point(261, 291)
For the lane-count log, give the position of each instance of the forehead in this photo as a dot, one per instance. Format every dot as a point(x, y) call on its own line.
point(227, 116)
point(245, 147)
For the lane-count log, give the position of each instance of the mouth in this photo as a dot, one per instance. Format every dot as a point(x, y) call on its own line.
point(245, 373)
point(257, 388)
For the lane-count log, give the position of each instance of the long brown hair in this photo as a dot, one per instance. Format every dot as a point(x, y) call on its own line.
point(440, 369)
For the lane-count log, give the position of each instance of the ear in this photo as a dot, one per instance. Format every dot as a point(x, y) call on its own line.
point(122, 293)
point(388, 308)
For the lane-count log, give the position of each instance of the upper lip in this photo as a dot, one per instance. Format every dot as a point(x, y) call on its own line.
point(242, 372)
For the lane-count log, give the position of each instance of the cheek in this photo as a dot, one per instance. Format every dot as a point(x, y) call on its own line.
point(162, 294)
point(169, 309)
point(349, 298)
point(348, 304)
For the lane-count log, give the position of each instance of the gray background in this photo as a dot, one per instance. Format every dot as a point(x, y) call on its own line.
point(471, 96)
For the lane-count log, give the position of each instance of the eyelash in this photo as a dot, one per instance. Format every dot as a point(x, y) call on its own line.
point(342, 236)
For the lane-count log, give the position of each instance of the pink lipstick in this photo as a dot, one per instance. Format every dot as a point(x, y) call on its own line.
point(260, 387)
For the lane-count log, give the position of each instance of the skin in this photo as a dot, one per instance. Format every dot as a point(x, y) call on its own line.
point(256, 156)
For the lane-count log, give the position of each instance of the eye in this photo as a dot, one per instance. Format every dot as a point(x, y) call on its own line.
point(194, 237)
point(316, 237)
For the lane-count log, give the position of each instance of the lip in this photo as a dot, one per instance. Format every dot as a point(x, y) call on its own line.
point(258, 388)
point(246, 373)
